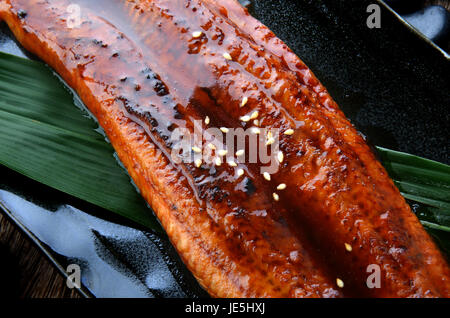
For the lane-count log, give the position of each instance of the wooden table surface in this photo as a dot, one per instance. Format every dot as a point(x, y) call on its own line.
point(27, 272)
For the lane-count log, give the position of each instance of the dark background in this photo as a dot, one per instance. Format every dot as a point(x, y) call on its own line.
point(392, 85)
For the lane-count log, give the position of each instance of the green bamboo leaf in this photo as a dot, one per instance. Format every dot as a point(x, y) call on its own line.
point(435, 226)
point(46, 138)
point(442, 217)
point(424, 190)
point(428, 201)
point(412, 160)
point(425, 182)
point(406, 167)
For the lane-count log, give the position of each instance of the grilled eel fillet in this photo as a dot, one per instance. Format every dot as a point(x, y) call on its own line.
point(142, 71)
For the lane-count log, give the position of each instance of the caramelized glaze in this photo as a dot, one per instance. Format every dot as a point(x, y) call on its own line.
point(143, 70)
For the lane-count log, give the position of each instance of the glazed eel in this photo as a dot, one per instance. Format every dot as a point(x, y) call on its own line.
point(311, 229)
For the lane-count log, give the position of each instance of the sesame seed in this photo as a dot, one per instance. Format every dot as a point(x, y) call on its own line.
point(207, 120)
point(348, 247)
point(270, 141)
point(244, 101)
point(196, 149)
point(289, 132)
point(218, 162)
point(255, 130)
point(245, 118)
point(240, 172)
point(240, 152)
point(227, 56)
point(223, 152)
point(281, 186)
point(198, 163)
point(211, 146)
point(256, 122)
point(340, 283)
point(231, 163)
point(254, 115)
point(276, 197)
point(197, 34)
point(224, 129)
point(266, 176)
point(280, 157)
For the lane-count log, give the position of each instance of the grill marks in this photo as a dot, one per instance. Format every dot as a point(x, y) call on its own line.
point(147, 111)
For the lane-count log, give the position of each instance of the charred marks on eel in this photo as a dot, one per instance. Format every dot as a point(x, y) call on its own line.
point(249, 186)
point(100, 43)
point(135, 109)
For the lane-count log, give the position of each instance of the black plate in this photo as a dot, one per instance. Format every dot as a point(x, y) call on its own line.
point(391, 83)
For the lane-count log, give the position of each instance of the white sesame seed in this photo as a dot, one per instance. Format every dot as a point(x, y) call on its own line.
point(196, 149)
point(255, 130)
point(266, 176)
point(218, 162)
point(227, 56)
point(276, 197)
point(198, 163)
point(256, 122)
point(348, 247)
point(340, 283)
point(270, 141)
point(231, 163)
point(244, 101)
point(289, 132)
point(240, 152)
point(240, 172)
point(207, 120)
point(223, 152)
point(280, 157)
point(245, 118)
point(254, 115)
point(197, 34)
point(211, 146)
point(224, 129)
point(281, 186)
